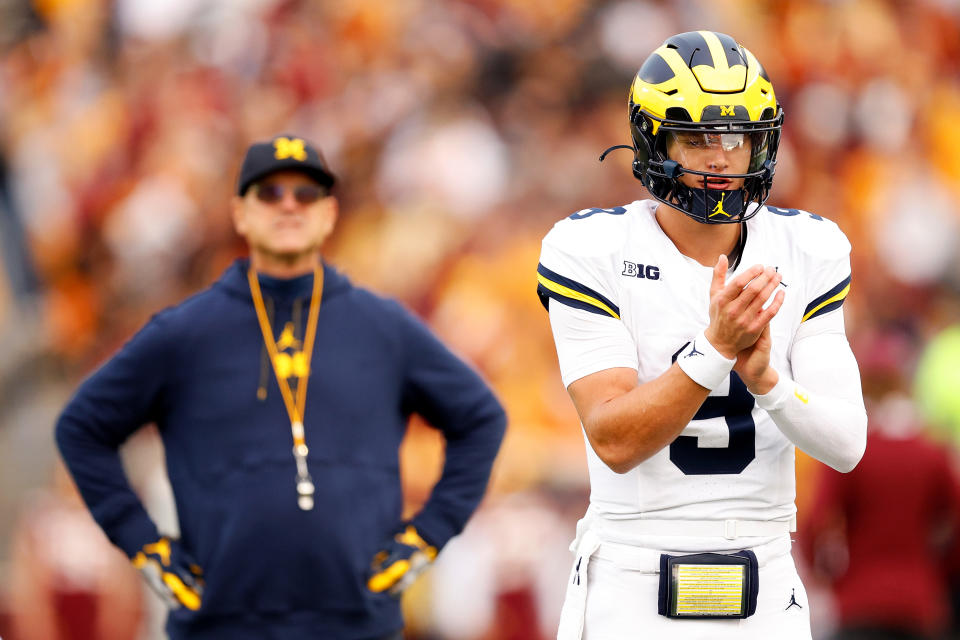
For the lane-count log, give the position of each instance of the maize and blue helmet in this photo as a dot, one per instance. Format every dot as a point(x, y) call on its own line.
point(703, 82)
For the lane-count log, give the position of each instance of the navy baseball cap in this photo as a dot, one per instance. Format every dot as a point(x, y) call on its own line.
point(282, 153)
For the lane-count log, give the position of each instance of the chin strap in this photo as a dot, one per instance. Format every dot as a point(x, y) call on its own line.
point(616, 146)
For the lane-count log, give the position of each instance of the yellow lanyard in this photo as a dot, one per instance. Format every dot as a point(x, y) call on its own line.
point(295, 408)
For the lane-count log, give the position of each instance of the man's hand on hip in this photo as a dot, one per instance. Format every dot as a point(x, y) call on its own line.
point(400, 562)
point(171, 572)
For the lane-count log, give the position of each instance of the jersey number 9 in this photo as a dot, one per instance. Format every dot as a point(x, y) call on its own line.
point(736, 409)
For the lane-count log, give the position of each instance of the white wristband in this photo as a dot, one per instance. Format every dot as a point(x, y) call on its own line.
point(705, 365)
point(776, 398)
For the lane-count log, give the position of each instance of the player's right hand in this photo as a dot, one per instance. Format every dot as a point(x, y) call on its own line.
point(171, 572)
point(737, 316)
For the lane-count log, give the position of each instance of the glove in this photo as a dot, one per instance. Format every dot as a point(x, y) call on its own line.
point(401, 561)
point(171, 572)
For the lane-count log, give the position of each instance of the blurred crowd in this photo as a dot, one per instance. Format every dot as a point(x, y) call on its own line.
point(460, 131)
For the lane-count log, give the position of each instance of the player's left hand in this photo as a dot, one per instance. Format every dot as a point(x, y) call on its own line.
point(753, 365)
point(400, 562)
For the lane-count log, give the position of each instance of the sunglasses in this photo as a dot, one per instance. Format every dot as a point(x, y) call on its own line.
point(272, 193)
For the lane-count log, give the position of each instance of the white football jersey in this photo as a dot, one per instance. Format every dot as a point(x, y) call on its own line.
point(620, 294)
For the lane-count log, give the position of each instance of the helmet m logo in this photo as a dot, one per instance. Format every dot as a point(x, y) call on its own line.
point(287, 148)
point(718, 210)
point(726, 110)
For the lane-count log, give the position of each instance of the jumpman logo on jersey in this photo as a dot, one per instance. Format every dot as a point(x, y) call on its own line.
point(718, 210)
point(793, 600)
point(693, 351)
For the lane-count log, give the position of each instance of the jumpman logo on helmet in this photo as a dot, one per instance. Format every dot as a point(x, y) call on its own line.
point(718, 210)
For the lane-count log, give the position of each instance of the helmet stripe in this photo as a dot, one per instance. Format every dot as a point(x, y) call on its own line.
point(716, 50)
point(675, 60)
point(656, 70)
point(691, 47)
point(731, 49)
point(754, 63)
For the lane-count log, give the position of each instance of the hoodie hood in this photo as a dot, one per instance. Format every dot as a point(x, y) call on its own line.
point(234, 281)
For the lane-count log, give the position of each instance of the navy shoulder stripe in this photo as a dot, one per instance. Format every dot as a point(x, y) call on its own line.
point(829, 301)
point(572, 293)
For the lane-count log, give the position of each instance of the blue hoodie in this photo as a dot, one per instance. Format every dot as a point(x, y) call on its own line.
point(272, 570)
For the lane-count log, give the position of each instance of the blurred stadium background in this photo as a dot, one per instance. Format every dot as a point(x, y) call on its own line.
point(460, 131)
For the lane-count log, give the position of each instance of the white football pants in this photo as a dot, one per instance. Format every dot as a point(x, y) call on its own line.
point(613, 593)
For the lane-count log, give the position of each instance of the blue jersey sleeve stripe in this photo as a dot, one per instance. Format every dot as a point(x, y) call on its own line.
point(829, 301)
point(567, 291)
point(545, 295)
point(836, 304)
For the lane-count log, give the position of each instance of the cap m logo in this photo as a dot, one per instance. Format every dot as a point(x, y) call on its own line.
point(726, 110)
point(287, 148)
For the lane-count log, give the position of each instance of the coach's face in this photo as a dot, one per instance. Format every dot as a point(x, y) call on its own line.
point(284, 215)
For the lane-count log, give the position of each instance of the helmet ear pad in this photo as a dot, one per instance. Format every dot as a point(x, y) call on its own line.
point(659, 178)
point(640, 128)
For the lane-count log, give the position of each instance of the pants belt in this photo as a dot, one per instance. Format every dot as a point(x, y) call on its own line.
point(729, 529)
point(636, 558)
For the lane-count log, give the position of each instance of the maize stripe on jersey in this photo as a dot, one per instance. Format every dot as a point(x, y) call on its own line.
point(829, 301)
point(572, 293)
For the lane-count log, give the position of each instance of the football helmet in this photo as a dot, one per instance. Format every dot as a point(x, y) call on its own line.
point(703, 89)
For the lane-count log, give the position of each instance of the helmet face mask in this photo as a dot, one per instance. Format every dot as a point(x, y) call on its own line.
point(705, 90)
